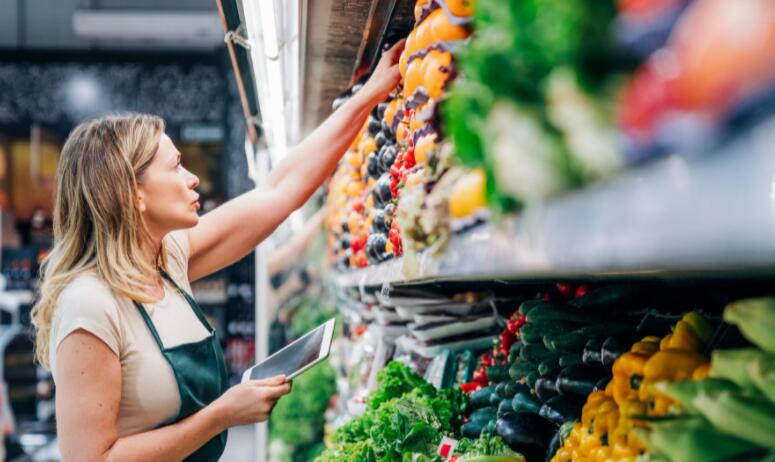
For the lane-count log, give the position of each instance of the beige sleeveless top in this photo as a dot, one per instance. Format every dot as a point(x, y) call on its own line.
point(149, 392)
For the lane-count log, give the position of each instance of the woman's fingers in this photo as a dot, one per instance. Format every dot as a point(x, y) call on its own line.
point(394, 53)
point(277, 380)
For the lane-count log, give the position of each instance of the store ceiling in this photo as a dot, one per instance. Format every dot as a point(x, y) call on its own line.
point(49, 24)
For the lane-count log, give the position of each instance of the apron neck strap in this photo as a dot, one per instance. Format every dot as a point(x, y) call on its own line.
point(191, 302)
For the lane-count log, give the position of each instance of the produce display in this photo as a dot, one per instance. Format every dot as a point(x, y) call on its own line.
point(584, 372)
point(504, 105)
point(397, 148)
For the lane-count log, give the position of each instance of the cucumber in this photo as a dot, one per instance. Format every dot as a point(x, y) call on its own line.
point(537, 353)
point(570, 359)
point(495, 400)
point(503, 407)
point(550, 366)
point(561, 409)
point(520, 369)
point(483, 415)
point(497, 374)
point(546, 388)
point(559, 313)
point(533, 333)
point(523, 402)
point(578, 380)
point(481, 397)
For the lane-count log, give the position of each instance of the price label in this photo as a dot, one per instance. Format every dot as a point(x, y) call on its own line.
point(447, 448)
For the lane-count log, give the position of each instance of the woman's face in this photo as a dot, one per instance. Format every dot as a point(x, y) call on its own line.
point(166, 192)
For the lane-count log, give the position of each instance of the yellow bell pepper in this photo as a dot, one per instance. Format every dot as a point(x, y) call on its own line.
point(665, 342)
point(700, 325)
point(701, 372)
point(672, 365)
point(684, 338)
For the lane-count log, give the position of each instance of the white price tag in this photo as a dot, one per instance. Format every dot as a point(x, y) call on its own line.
point(447, 448)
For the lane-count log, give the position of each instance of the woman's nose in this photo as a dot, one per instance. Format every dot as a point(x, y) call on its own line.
point(193, 180)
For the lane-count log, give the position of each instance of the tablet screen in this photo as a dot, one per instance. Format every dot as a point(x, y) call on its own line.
point(293, 357)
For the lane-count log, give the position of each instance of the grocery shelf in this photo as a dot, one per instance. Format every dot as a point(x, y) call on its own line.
point(713, 214)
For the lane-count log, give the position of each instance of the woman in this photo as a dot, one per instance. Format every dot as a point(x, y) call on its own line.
point(139, 372)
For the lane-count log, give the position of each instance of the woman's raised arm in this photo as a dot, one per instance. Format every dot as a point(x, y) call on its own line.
point(235, 228)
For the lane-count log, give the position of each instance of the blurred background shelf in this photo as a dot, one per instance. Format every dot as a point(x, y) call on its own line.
point(713, 215)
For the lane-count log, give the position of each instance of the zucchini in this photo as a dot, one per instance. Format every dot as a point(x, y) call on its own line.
point(526, 432)
point(520, 369)
point(481, 397)
point(536, 353)
point(497, 374)
point(528, 305)
point(514, 351)
point(524, 402)
point(575, 341)
point(509, 388)
point(603, 382)
point(495, 400)
point(561, 409)
point(578, 380)
point(504, 407)
point(570, 359)
point(546, 387)
point(549, 366)
point(611, 349)
point(554, 446)
point(483, 415)
point(591, 354)
point(606, 299)
point(472, 430)
point(533, 332)
point(532, 378)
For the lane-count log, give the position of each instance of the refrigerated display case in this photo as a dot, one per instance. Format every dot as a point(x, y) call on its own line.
point(620, 279)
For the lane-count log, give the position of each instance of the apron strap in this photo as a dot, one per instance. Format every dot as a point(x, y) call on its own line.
point(194, 305)
point(191, 302)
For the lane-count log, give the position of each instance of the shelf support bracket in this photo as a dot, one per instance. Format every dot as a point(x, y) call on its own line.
point(238, 36)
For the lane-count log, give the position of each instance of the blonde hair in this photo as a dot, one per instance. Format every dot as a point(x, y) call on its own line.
point(98, 226)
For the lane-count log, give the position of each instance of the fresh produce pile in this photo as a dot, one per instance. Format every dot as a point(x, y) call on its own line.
point(609, 416)
point(729, 415)
point(406, 420)
point(397, 148)
point(554, 353)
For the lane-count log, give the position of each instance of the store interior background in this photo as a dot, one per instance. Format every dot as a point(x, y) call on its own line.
point(54, 74)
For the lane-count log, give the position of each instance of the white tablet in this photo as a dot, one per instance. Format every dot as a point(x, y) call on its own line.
point(296, 357)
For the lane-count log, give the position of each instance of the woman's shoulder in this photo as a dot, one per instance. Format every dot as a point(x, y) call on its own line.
point(87, 292)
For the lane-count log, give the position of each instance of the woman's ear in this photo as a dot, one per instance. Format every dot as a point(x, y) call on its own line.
point(141, 200)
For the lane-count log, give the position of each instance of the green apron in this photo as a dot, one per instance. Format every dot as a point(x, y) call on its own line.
point(200, 371)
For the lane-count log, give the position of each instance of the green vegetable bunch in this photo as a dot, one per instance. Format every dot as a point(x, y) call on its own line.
point(405, 421)
point(516, 49)
point(486, 445)
point(297, 419)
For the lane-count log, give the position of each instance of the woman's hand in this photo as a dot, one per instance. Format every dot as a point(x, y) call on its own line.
point(386, 75)
point(250, 402)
